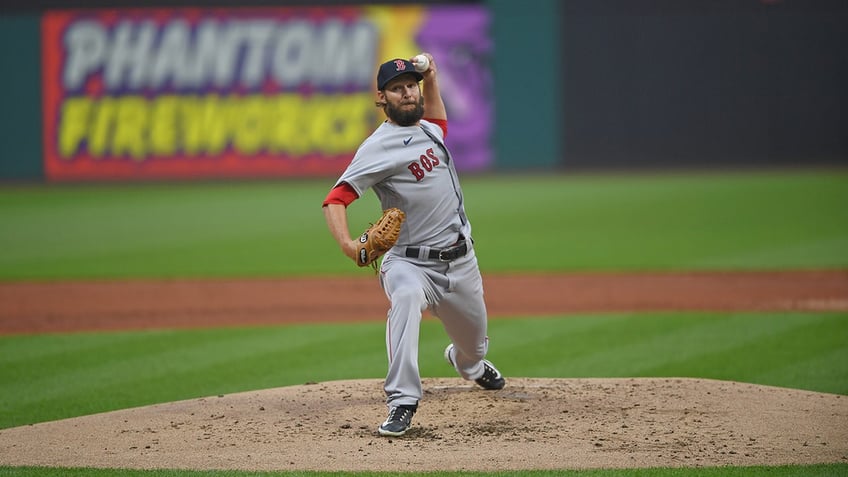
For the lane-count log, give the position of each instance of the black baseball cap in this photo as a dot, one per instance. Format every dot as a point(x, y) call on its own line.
point(394, 68)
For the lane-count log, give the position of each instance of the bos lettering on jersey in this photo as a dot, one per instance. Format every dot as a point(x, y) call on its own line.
point(426, 162)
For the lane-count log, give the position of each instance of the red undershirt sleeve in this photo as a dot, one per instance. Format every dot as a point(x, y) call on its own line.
point(341, 194)
point(442, 123)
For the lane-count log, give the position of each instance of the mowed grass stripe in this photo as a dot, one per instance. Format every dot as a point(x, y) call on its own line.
point(116, 370)
point(733, 220)
point(798, 253)
point(630, 345)
point(702, 221)
point(175, 229)
point(107, 371)
point(761, 359)
point(175, 351)
point(752, 359)
point(818, 369)
point(743, 347)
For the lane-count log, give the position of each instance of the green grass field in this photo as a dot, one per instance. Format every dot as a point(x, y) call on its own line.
point(706, 221)
point(49, 377)
point(742, 221)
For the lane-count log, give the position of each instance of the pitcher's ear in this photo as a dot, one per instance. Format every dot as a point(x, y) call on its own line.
point(380, 99)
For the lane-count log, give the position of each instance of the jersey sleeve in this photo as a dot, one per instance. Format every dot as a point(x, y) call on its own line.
point(442, 123)
point(368, 167)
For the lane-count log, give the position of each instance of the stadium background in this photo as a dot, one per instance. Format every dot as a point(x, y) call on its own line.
point(581, 84)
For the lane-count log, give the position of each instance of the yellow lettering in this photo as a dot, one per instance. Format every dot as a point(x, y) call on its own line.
point(205, 123)
point(129, 137)
point(101, 127)
point(249, 124)
point(287, 131)
point(357, 116)
point(288, 124)
point(339, 122)
point(165, 126)
point(317, 127)
point(327, 124)
point(73, 125)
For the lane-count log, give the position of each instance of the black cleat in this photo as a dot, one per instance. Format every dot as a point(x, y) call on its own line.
point(491, 378)
point(398, 422)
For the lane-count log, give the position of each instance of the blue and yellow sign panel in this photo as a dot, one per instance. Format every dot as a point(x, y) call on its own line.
point(265, 92)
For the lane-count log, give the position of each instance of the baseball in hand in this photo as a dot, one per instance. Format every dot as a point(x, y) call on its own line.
point(421, 62)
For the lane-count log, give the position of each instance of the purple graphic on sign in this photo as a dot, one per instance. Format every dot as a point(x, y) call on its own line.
point(458, 38)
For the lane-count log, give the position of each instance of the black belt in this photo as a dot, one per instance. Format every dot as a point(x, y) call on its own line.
point(445, 254)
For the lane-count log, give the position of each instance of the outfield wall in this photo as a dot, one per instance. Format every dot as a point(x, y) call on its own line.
point(669, 82)
point(545, 85)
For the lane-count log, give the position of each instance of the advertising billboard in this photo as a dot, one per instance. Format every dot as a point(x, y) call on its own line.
point(187, 93)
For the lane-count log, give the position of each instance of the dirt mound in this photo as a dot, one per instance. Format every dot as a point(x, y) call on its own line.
point(530, 424)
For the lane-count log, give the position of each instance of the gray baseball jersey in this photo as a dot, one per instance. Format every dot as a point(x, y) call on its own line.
point(411, 169)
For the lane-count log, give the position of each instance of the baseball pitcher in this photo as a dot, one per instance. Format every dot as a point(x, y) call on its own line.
point(424, 236)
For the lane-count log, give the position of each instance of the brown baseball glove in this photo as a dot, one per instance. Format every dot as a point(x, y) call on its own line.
point(380, 237)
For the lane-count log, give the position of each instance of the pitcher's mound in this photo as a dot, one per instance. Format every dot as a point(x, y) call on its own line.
point(530, 424)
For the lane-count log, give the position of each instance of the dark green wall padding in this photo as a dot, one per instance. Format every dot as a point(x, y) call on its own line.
point(20, 95)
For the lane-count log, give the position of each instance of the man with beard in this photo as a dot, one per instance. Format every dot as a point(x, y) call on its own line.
point(433, 264)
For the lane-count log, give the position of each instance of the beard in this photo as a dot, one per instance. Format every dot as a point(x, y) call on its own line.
point(405, 117)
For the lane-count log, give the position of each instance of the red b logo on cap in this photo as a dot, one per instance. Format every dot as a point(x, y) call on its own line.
point(400, 65)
